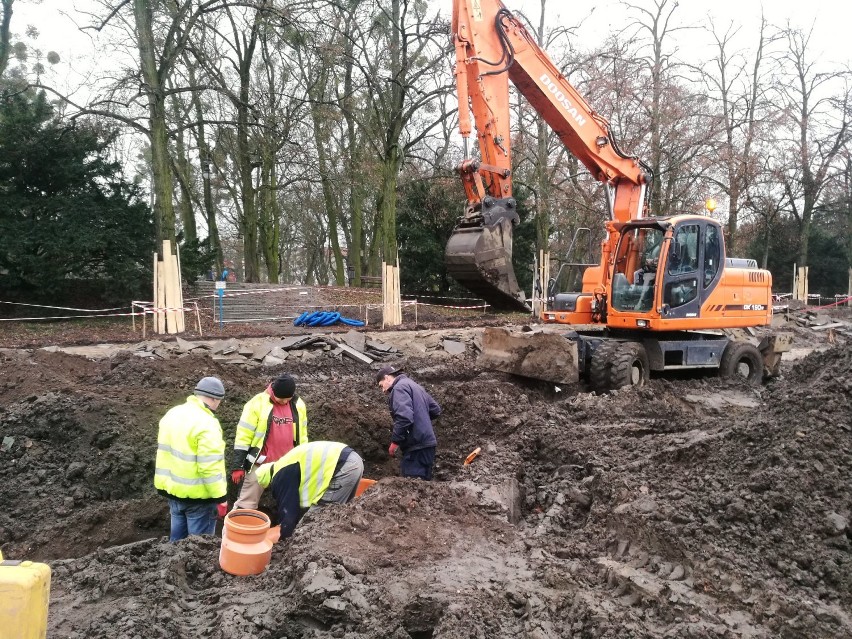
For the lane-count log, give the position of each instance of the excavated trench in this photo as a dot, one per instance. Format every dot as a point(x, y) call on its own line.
point(690, 507)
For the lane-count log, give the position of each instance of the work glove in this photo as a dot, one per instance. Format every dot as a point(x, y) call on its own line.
point(393, 448)
point(222, 509)
point(237, 476)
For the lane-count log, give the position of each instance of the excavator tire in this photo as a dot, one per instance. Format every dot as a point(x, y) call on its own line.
point(618, 364)
point(742, 360)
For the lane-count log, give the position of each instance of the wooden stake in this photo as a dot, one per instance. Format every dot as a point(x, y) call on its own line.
point(159, 319)
point(171, 292)
point(198, 319)
point(181, 325)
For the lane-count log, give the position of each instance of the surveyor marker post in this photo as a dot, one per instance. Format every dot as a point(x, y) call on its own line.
point(220, 293)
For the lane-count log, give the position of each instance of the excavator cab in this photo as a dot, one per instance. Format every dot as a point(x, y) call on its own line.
point(636, 271)
point(674, 272)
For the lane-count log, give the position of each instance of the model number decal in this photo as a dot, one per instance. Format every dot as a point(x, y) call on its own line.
point(754, 307)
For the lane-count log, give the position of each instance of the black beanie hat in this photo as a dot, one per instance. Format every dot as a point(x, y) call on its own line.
point(284, 387)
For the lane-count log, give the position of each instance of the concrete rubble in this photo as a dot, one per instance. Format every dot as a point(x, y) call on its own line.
point(362, 347)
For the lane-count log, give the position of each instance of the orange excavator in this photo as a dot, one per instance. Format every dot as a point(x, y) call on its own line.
point(663, 293)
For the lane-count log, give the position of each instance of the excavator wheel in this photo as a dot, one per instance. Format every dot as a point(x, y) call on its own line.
point(618, 364)
point(742, 360)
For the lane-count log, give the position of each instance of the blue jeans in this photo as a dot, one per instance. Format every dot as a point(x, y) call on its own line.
point(418, 463)
point(191, 519)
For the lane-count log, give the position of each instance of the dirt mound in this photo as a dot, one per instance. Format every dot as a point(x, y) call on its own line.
point(691, 507)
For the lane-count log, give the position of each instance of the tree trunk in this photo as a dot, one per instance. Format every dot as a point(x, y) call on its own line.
point(321, 139)
point(247, 158)
point(183, 173)
point(270, 230)
point(5, 33)
point(357, 242)
point(387, 205)
point(393, 131)
point(208, 170)
point(164, 213)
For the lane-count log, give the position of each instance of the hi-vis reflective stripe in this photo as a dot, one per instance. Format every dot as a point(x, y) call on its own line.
point(247, 426)
point(197, 459)
point(309, 466)
point(165, 472)
point(241, 447)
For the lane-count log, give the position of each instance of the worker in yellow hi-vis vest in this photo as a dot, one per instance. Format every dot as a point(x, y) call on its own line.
point(311, 475)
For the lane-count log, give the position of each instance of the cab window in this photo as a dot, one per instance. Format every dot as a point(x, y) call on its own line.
point(683, 257)
point(712, 254)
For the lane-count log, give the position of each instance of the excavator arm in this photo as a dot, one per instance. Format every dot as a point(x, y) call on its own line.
point(493, 47)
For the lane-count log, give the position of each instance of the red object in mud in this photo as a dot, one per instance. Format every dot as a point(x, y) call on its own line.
point(392, 449)
point(222, 509)
point(237, 476)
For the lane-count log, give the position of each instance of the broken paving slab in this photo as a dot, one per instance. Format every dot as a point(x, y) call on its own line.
point(278, 353)
point(354, 354)
point(299, 341)
point(271, 360)
point(453, 347)
point(229, 358)
point(260, 351)
point(431, 340)
point(417, 346)
point(226, 347)
point(151, 345)
point(382, 347)
point(184, 346)
point(823, 327)
point(354, 339)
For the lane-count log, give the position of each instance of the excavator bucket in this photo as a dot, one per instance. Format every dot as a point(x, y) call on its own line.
point(480, 259)
point(547, 356)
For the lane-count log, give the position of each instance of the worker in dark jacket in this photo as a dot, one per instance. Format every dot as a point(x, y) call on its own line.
point(412, 410)
point(309, 475)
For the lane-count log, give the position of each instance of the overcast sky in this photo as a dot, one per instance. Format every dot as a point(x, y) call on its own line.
point(830, 19)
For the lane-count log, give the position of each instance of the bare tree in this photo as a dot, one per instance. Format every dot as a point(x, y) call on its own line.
point(816, 128)
point(740, 88)
point(401, 49)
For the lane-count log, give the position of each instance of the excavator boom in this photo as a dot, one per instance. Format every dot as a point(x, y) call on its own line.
point(492, 47)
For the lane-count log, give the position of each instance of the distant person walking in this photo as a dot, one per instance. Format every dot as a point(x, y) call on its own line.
point(412, 410)
point(311, 475)
point(273, 422)
point(190, 466)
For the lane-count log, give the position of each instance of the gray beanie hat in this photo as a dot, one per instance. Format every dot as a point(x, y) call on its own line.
point(210, 387)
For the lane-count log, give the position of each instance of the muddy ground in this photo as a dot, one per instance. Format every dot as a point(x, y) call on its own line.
point(693, 507)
